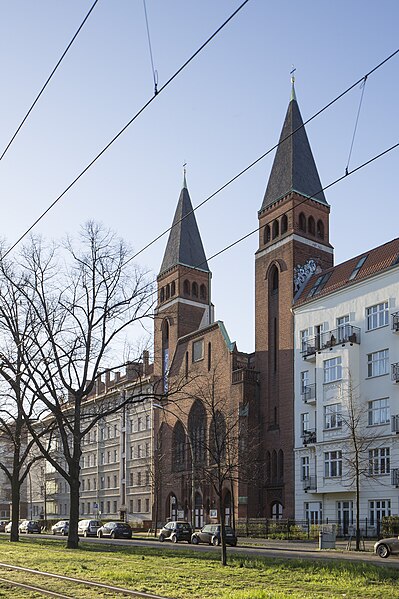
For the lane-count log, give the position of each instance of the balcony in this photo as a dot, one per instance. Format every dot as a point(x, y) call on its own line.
point(395, 372)
point(395, 477)
point(340, 336)
point(309, 394)
point(309, 437)
point(395, 424)
point(395, 322)
point(310, 483)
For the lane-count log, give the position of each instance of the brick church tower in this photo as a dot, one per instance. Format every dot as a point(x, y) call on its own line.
point(293, 243)
point(184, 286)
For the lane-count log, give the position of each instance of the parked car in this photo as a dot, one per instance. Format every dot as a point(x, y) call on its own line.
point(384, 547)
point(31, 526)
point(60, 528)
point(176, 531)
point(88, 528)
point(115, 530)
point(8, 527)
point(211, 533)
point(3, 525)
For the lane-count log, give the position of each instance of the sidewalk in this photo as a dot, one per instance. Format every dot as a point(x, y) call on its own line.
point(294, 545)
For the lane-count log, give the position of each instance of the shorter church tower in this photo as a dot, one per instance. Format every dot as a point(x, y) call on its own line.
point(184, 286)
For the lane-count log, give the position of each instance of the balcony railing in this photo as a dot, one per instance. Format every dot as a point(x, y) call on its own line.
point(395, 477)
point(395, 322)
point(309, 437)
point(309, 393)
point(310, 483)
point(395, 372)
point(339, 336)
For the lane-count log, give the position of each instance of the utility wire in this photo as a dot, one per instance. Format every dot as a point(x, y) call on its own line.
point(154, 72)
point(48, 80)
point(109, 144)
point(252, 164)
point(363, 86)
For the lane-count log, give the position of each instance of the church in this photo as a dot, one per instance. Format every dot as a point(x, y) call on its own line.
point(225, 443)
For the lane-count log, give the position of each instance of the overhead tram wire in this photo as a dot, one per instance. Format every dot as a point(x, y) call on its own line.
point(48, 80)
point(154, 71)
point(252, 164)
point(110, 143)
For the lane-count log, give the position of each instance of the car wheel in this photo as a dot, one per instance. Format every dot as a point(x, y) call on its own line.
point(53, 532)
point(216, 541)
point(195, 540)
point(161, 538)
point(174, 539)
point(65, 532)
point(113, 535)
point(383, 551)
point(85, 534)
point(100, 534)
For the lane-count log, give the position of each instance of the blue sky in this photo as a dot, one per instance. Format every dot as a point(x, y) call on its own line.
point(219, 115)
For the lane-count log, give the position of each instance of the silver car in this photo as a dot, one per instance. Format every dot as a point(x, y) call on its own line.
point(385, 547)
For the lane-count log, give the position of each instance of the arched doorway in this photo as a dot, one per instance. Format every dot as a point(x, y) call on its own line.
point(277, 510)
point(198, 512)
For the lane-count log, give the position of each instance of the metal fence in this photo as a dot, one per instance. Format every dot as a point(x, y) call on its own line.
point(266, 528)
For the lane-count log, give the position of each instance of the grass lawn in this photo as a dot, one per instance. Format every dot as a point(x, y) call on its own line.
point(181, 574)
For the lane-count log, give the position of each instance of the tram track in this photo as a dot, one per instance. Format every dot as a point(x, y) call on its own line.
point(78, 581)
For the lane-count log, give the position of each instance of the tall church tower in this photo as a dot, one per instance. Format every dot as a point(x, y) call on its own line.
point(293, 242)
point(184, 286)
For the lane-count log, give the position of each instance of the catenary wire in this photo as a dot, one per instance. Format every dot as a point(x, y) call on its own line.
point(154, 72)
point(48, 80)
point(110, 143)
point(363, 86)
point(252, 164)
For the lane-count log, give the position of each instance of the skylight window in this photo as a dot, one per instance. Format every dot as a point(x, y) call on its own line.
point(358, 266)
point(319, 284)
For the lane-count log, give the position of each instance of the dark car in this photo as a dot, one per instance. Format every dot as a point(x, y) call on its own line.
point(60, 528)
point(211, 533)
point(176, 531)
point(31, 526)
point(115, 530)
point(88, 528)
point(3, 525)
point(385, 547)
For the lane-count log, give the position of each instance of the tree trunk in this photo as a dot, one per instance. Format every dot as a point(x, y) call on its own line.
point(223, 556)
point(73, 538)
point(15, 503)
point(357, 512)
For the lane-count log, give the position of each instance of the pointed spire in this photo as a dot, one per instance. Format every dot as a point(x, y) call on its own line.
point(294, 168)
point(293, 95)
point(184, 244)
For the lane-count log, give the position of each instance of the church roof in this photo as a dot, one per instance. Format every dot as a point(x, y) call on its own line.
point(184, 244)
point(294, 168)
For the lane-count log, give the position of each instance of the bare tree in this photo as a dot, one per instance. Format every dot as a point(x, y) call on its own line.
point(80, 298)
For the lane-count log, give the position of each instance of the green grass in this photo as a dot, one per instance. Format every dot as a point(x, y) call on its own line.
point(188, 574)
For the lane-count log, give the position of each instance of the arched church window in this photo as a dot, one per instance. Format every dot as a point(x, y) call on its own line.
point(178, 447)
point(186, 287)
point(172, 288)
point(284, 224)
point(302, 222)
point(311, 225)
point(273, 277)
point(196, 430)
point(266, 234)
point(162, 294)
point(203, 292)
point(167, 292)
point(320, 229)
point(275, 229)
point(194, 289)
point(280, 465)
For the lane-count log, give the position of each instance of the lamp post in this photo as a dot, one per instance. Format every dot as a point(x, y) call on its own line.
point(159, 407)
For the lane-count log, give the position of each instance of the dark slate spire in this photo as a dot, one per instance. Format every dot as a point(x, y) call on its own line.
point(294, 168)
point(184, 244)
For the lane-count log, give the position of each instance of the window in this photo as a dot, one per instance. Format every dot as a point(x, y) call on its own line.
point(131, 481)
point(305, 422)
point(266, 234)
point(343, 328)
point(198, 350)
point(377, 363)
point(172, 288)
point(139, 423)
point(162, 294)
point(358, 266)
point(147, 478)
point(131, 506)
point(139, 479)
point(102, 456)
point(305, 468)
point(147, 422)
point(302, 222)
point(115, 430)
point(108, 507)
point(377, 316)
point(194, 289)
point(186, 287)
point(311, 225)
point(379, 461)
point(284, 224)
point(108, 482)
point(320, 229)
point(332, 369)
point(304, 339)
point(147, 505)
point(102, 482)
point(139, 451)
point(275, 229)
point(378, 508)
point(115, 455)
point(115, 507)
point(131, 452)
point(319, 284)
point(304, 381)
point(139, 505)
point(203, 292)
point(332, 464)
point(333, 416)
point(147, 450)
point(115, 481)
point(378, 411)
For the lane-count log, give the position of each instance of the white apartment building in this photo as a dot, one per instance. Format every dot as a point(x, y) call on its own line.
point(347, 361)
point(116, 467)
